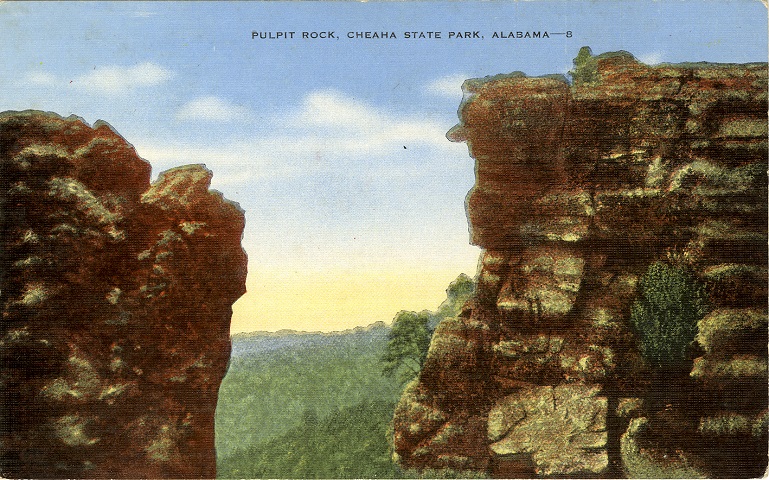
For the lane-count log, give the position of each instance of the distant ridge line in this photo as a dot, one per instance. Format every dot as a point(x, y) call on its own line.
point(289, 332)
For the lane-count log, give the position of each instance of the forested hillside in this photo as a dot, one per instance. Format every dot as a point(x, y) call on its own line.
point(314, 405)
point(276, 379)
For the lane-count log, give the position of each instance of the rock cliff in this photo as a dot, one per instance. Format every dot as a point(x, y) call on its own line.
point(116, 297)
point(580, 187)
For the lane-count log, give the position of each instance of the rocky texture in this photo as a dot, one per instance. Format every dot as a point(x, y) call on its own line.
point(561, 429)
point(116, 299)
point(639, 461)
point(579, 188)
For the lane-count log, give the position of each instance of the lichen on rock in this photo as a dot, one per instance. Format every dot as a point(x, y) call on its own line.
point(562, 429)
point(579, 189)
point(116, 297)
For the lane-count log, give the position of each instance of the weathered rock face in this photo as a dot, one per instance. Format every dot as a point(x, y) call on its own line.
point(116, 299)
point(579, 189)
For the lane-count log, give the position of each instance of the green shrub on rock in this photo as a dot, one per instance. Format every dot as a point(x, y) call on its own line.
point(665, 317)
point(407, 345)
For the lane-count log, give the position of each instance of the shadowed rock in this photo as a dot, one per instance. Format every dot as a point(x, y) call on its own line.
point(116, 299)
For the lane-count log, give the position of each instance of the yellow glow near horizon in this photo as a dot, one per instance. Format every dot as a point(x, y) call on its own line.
point(336, 300)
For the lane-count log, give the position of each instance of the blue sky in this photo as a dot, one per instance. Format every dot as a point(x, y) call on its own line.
point(344, 226)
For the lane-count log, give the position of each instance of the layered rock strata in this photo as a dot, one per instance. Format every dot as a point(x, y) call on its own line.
point(580, 187)
point(116, 297)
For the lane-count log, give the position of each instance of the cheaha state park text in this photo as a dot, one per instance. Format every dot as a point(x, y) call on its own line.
point(418, 35)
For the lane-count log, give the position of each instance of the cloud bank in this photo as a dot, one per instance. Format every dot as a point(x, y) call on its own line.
point(117, 79)
point(212, 109)
point(328, 132)
point(449, 86)
point(41, 78)
point(651, 58)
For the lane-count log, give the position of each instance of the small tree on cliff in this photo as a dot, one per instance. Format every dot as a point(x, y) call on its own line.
point(407, 345)
point(459, 291)
point(585, 67)
point(666, 315)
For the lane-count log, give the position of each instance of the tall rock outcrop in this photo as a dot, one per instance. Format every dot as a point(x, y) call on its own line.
point(580, 187)
point(116, 297)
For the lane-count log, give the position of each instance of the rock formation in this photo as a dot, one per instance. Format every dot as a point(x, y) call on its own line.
point(116, 299)
point(580, 187)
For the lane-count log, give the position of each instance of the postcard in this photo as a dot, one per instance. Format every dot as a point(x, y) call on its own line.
point(338, 239)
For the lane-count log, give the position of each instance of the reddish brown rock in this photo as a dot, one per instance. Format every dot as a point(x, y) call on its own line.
point(116, 300)
point(579, 188)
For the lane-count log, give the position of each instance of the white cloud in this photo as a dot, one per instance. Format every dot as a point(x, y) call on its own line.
point(331, 108)
point(212, 109)
point(334, 122)
point(652, 58)
point(449, 86)
point(232, 163)
point(41, 78)
point(116, 79)
point(143, 14)
point(329, 133)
